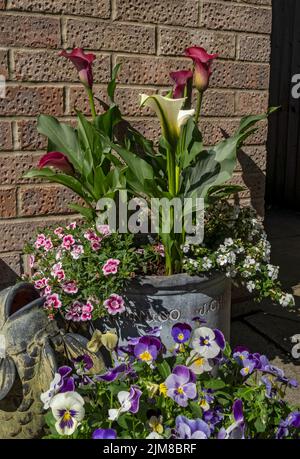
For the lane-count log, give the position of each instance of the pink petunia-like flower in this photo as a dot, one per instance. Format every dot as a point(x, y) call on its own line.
point(104, 230)
point(114, 304)
point(48, 245)
point(53, 301)
point(40, 240)
point(202, 66)
point(72, 226)
point(83, 63)
point(55, 268)
point(87, 310)
point(57, 272)
point(41, 283)
point(96, 245)
point(111, 266)
point(70, 287)
point(159, 248)
point(77, 251)
point(74, 312)
point(68, 241)
point(58, 160)
point(91, 236)
point(181, 79)
point(47, 290)
point(59, 231)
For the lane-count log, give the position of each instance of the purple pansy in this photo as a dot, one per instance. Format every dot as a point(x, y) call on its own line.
point(181, 385)
point(113, 374)
point(293, 420)
point(181, 332)
point(236, 430)
point(104, 434)
point(191, 428)
point(248, 367)
point(147, 348)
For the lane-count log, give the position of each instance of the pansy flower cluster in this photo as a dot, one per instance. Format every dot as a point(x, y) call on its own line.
point(82, 271)
point(197, 389)
point(235, 243)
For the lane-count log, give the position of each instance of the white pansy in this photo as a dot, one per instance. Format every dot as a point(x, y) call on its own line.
point(197, 363)
point(47, 396)
point(68, 410)
point(204, 343)
point(125, 405)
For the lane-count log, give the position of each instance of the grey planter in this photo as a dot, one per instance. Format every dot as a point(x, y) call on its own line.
point(159, 300)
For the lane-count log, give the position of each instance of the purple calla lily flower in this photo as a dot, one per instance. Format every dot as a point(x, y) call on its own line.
point(202, 66)
point(181, 79)
point(181, 333)
point(83, 63)
point(104, 434)
point(58, 160)
point(191, 428)
point(181, 385)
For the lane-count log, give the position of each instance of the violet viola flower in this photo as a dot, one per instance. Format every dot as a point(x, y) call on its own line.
point(83, 63)
point(191, 428)
point(113, 374)
point(58, 160)
point(129, 401)
point(202, 66)
point(181, 385)
point(146, 349)
point(181, 332)
point(61, 383)
point(104, 434)
point(237, 430)
point(83, 364)
point(181, 79)
point(293, 420)
point(248, 367)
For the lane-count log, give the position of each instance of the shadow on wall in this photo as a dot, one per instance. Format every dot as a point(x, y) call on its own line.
point(8, 276)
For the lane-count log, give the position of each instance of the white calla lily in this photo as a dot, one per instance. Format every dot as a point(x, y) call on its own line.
point(169, 113)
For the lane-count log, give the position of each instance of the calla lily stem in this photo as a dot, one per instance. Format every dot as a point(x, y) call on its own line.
point(92, 102)
point(198, 108)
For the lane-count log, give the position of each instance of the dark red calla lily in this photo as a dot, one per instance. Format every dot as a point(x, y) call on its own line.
point(58, 160)
point(181, 79)
point(83, 63)
point(202, 66)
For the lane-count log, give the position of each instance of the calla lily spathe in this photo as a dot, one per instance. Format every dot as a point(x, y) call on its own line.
point(169, 113)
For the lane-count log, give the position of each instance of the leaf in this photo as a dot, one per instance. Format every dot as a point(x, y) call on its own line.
point(196, 410)
point(61, 137)
point(112, 84)
point(260, 425)
point(164, 369)
point(215, 384)
point(87, 212)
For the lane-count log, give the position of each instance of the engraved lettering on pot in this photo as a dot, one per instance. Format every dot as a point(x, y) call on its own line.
point(211, 306)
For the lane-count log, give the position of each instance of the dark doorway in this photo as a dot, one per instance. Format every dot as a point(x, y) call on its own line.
point(283, 161)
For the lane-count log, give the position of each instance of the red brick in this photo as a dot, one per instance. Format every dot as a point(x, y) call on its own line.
point(127, 98)
point(236, 17)
point(45, 200)
point(110, 37)
point(16, 233)
point(252, 158)
point(254, 184)
point(31, 31)
point(2, 4)
point(216, 129)
point(253, 2)
point(13, 166)
point(94, 8)
point(217, 103)
point(240, 75)
point(8, 202)
point(150, 128)
point(31, 101)
point(253, 48)
point(174, 12)
point(251, 102)
point(10, 268)
point(4, 62)
point(5, 135)
point(173, 41)
point(28, 136)
point(46, 65)
point(149, 70)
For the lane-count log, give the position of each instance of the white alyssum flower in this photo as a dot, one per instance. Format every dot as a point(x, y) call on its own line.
point(287, 300)
point(250, 286)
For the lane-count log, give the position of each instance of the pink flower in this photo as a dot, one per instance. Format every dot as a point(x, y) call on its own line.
point(77, 250)
point(70, 287)
point(57, 272)
point(114, 304)
point(104, 230)
point(181, 79)
point(53, 301)
point(58, 160)
point(31, 261)
point(159, 248)
point(58, 255)
point(60, 275)
point(72, 225)
point(110, 267)
point(83, 64)
point(41, 283)
point(48, 244)
point(74, 312)
point(59, 232)
point(68, 241)
point(92, 236)
point(40, 240)
point(202, 66)
point(95, 245)
point(87, 311)
point(47, 290)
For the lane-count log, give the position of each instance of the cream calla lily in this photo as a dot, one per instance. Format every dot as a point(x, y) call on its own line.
point(169, 113)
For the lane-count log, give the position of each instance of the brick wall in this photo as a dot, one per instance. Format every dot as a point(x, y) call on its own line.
point(148, 38)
